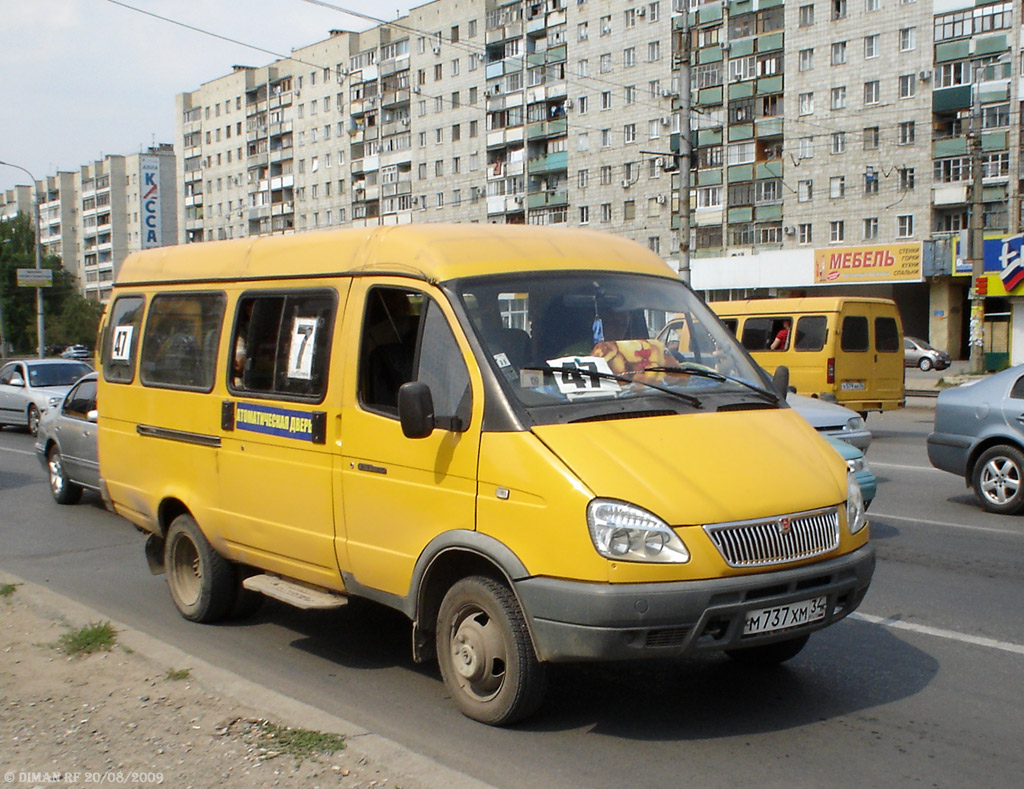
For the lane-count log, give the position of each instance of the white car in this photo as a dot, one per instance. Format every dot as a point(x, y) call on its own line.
point(832, 420)
point(28, 387)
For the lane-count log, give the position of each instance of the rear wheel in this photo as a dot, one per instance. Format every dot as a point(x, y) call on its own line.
point(999, 480)
point(63, 489)
point(769, 654)
point(32, 419)
point(486, 655)
point(925, 363)
point(201, 581)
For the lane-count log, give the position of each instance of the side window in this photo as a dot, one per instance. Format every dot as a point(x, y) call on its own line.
point(1017, 392)
point(179, 344)
point(811, 333)
point(731, 324)
point(855, 333)
point(440, 365)
point(81, 400)
point(887, 336)
point(281, 344)
point(390, 329)
point(121, 339)
point(7, 373)
point(757, 334)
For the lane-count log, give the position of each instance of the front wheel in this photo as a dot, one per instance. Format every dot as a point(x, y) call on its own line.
point(925, 363)
point(769, 654)
point(32, 419)
point(486, 655)
point(63, 489)
point(201, 581)
point(999, 480)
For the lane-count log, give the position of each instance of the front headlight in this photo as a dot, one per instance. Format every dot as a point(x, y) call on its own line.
point(856, 517)
point(855, 423)
point(857, 465)
point(630, 533)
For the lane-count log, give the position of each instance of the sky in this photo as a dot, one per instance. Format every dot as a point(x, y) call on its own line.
point(83, 79)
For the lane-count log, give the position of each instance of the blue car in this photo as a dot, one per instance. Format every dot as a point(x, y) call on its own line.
point(858, 465)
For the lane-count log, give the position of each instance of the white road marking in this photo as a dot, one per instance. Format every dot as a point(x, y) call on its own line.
point(885, 516)
point(938, 632)
point(20, 451)
point(903, 467)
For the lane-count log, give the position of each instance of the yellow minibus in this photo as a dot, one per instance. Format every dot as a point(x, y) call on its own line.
point(477, 426)
point(842, 348)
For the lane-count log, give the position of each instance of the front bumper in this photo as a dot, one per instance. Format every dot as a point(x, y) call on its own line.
point(580, 621)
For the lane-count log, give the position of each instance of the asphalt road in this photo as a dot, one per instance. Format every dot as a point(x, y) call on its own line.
point(923, 687)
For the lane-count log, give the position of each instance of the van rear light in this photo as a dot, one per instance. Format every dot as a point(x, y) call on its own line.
point(830, 371)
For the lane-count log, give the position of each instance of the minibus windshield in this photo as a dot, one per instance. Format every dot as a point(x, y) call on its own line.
point(585, 338)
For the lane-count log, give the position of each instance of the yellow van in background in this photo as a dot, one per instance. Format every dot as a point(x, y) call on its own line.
point(841, 348)
point(476, 426)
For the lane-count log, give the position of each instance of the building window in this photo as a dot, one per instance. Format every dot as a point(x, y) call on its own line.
point(582, 179)
point(838, 53)
point(606, 212)
point(906, 179)
point(836, 231)
point(807, 103)
point(838, 142)
point(584, 214)
point(837, 187)
point(838, 97)
point(995, 116)
point(803, 233)
point(709, 197)
point(629, 57)
point(872, 5)
point(908, 85)
point(871, 228)
point(839, 9)
point(871, 46)
point(805, 148)
point(804, 191)
point(908, 39)
point(806, 59)
point(629, 133)
point(905, 226)
point(871, 137)
point(905, 133)
point(606, 63)
point(606, 100)
point(653, 51)
point(872, 91)
point(806, 15)
point(870, 181)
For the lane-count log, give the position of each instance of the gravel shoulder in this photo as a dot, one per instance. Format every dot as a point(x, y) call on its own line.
point(145, 713)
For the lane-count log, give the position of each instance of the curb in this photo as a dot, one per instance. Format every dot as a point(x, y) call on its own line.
point(420, 770)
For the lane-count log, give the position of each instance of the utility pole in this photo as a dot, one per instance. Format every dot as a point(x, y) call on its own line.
point(976, 230)
point(37, 200)
point(685, 148)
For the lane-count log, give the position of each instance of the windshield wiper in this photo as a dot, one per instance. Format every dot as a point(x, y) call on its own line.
point(584, 372)
point(689, 368)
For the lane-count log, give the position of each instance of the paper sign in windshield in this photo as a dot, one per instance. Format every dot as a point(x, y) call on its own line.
point(121, 349)
point(581, 376)
point(300, 353)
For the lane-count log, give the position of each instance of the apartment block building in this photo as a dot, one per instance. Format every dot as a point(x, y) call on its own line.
point(94, 217)
point(820, 129)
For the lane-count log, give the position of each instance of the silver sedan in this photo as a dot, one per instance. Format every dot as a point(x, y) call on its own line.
point(979, 435)
point(28, 387)
point(66, 443)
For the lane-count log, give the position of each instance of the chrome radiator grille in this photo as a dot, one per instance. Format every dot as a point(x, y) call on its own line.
point(787, 538)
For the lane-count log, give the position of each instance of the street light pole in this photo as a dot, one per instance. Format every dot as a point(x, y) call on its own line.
point(37, 200)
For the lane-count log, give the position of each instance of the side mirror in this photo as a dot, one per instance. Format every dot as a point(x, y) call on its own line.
point(93, 416)
point(17, 380)
point(781, 380)
point(415, 409)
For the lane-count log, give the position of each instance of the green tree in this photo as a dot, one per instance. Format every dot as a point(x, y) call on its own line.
point(69, 317)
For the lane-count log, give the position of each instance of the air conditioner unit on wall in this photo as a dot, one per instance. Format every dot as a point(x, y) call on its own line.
point(641, 11)
point(789, 230)
point(662, 199)
point(925, 75)
point(626, 183)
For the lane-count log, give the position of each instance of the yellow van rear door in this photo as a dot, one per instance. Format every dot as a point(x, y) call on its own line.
point(887, 334)
point(399, 493)
point(854, 354)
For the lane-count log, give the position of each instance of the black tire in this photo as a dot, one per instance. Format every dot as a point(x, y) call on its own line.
point(63, 489)
point(32, 419)
point(769, 654)
point(925, 363)
point(486, 654)
point(201, 581)
point(998, 479)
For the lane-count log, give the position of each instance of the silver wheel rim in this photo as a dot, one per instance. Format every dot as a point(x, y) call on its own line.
point(33, 420)
point(479, 654)
point(56, 473)
point(186, 570)
point(1000, 480)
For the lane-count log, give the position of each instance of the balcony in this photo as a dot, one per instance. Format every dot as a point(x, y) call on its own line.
point(548, 163)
